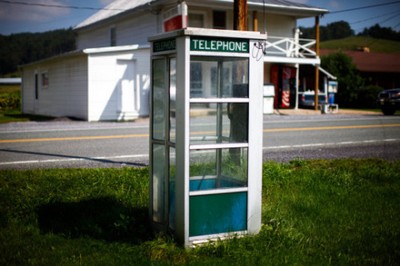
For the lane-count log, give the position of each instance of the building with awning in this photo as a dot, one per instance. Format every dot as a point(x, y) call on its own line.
point(116, 87)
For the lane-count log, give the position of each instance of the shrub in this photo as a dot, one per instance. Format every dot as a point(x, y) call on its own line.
point(10, 101)
point(366, 96)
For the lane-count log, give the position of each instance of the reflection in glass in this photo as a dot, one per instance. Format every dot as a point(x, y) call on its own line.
point(219, 77)
point(218, 123)
point(172, 177)
point(218, 168)
point(172, 99)
point(158, 182)
point(158, 98)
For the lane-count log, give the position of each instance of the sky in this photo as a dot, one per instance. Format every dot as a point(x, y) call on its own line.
point(18, 16)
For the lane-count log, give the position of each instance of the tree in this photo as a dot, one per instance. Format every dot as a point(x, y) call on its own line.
point(332, 31)
point(23, 48)
point(339, 30)
point(379, 32)
point(350, 82)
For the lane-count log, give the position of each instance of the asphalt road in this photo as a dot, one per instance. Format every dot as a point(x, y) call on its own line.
point(64, 143)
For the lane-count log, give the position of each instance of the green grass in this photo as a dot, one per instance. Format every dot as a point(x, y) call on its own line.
point(10, 89)
point(318, 212)
point(352, 43)
point(9, 116)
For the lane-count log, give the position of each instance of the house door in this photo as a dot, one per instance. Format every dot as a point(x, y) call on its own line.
point(127, 90)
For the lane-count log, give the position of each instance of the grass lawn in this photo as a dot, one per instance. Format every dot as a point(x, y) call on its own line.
point(354, 42)
point(16, 116)
point(318, 212)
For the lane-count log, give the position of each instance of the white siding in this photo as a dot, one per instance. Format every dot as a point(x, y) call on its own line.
point(279, 25)
point(107, 72)
point(66, 93)
point(276, 25)
point(134, 30)
point(28, 90)
point(94, 38)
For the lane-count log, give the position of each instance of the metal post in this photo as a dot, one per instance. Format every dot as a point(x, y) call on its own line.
point(296, 105)
point(317, 66)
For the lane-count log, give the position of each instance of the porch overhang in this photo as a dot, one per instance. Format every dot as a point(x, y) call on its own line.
point(292, 60)
point(329, 75)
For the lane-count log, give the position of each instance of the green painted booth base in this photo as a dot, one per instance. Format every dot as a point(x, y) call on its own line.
point(217, 213)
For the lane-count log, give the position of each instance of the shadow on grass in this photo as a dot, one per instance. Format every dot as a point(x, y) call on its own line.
point(73, 157)
point(27, 117)
point(102, 218)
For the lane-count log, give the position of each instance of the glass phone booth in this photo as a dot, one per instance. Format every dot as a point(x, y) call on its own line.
point(206, 128)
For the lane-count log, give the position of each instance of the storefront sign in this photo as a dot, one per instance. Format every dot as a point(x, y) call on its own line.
point(219, 45)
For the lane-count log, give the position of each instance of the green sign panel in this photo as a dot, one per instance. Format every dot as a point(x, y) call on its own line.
point(219, 45)
point(164, 45)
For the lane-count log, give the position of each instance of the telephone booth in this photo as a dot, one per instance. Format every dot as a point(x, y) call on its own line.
point(206, 128)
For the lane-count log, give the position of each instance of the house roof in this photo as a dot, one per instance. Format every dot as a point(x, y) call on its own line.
point(302, 10)
point(372, 61)
point(114, 8)
point(88, 51)
point(119, 7)
point(10, 81)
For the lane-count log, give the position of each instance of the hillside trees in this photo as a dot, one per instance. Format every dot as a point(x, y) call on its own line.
point(379, 32)
point(335, 30)
point(342, 29)
point(23, 48)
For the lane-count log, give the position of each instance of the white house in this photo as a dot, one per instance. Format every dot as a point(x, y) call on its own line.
point(92, 84)
point(107, 78)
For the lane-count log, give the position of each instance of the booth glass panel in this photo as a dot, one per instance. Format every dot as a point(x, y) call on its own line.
point(158, 172)
point(217, 77)
point(172, 196)
point(218, 168)
point(172, 99)
point(158, 98)
point(218, 123)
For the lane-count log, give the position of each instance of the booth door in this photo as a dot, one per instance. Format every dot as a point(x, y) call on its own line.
point(218, 156)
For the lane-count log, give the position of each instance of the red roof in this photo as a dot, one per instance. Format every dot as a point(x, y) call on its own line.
point(371, 61)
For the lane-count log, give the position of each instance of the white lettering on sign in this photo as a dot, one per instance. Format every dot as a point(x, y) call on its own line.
point(238, 46)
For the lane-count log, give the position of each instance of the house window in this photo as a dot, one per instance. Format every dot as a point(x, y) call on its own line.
point(45, 80)
point(36, 86)
point(219, 19)
point(196, 20)
point(113, 36)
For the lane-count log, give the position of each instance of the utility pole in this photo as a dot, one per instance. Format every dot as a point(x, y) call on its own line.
point(240, 15)
point(238, 112)
point(316, 66)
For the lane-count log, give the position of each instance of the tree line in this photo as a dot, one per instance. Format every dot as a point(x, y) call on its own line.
point(23, 48)
point(342, 29)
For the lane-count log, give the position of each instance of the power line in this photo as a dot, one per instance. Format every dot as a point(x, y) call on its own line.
point(375, 17)
point(120, 9)
point(363, 7)
point(390, 18)
point(59, 6)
